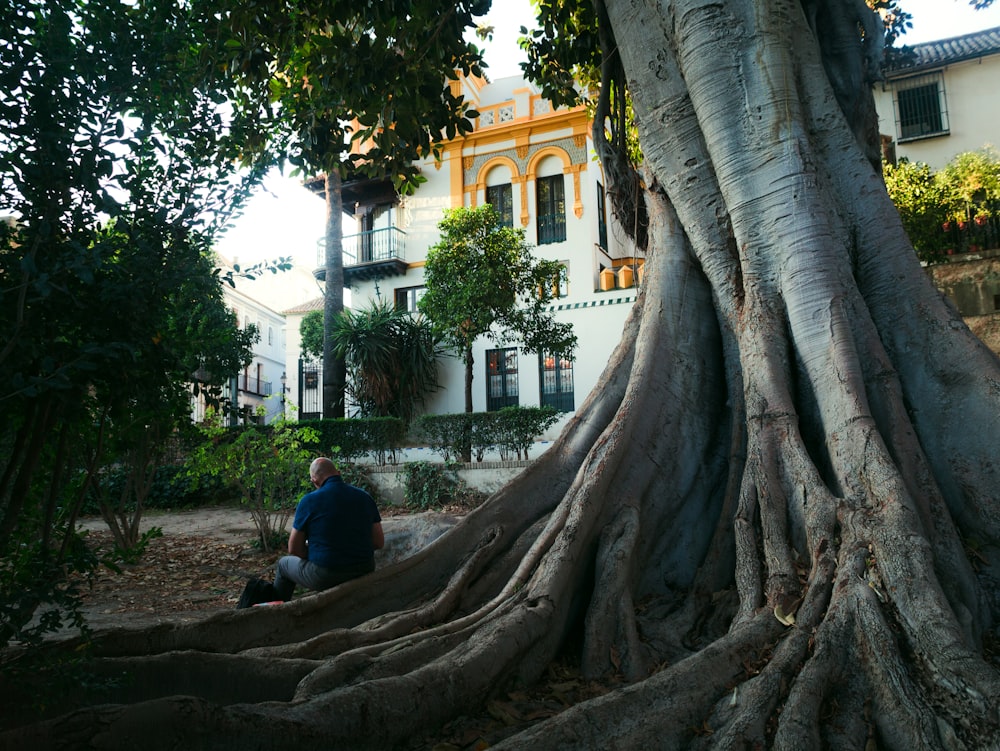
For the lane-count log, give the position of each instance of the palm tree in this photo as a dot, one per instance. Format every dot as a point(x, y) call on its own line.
point(391, 358)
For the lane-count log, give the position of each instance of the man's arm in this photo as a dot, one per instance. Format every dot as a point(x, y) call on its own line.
point(378, 539)
point(297, 543)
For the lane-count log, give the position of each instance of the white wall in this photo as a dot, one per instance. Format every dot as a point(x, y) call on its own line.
point(973, 113)
point(597, 317)
point(268, 362)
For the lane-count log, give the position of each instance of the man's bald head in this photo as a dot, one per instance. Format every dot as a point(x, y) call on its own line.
point(320, 469)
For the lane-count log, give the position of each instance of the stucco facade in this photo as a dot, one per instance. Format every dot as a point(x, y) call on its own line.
point(943, 101)
point(940, 103)
point(539, 162)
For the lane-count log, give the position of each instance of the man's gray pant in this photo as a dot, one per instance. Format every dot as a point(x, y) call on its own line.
point(292, 570)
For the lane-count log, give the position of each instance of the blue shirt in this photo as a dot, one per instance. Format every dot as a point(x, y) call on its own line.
point(337, 520)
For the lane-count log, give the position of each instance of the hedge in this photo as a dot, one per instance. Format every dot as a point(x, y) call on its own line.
point(510, 431)
point(378, 437)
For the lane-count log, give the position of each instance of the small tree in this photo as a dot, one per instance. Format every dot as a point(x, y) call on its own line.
point(971, 182)
point(269, 466)
point(482, 280)
point(311, 332)
point(922, 206)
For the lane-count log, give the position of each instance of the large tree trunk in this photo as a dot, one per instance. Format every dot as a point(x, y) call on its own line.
point(776, 518)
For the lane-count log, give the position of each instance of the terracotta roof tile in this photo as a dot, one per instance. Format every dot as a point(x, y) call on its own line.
point(944, 51)
point(306, 307)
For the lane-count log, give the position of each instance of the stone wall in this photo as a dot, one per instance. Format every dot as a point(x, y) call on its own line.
point(972, 283)
point(486, 477)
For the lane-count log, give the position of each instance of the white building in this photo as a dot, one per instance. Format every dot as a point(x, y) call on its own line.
point(267, 382)
point(537, 165)
point(260, 384)
point(943, 101)
point(305, 386)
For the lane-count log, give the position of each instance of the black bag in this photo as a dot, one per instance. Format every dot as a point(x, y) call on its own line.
point(257, 591)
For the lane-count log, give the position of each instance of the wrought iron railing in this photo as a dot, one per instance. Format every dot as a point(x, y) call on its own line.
point(979, 232)
point(365, 247)
point(253, 385)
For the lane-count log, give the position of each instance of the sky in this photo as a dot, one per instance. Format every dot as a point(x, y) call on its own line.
point(284, 219)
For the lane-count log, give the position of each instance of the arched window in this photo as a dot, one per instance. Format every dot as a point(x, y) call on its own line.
point(550, 202)
point(500, 193)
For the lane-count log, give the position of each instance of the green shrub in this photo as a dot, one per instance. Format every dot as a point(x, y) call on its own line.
point(378, 437)
point(511, 431)
point(953, 210)
point(269, 465)
point(922, 204)
point(430, 485)
point(174, 487)
point(517, 428)
point(448, 435)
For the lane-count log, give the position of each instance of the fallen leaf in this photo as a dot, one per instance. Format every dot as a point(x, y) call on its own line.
point(787, 619)
point(504, 712)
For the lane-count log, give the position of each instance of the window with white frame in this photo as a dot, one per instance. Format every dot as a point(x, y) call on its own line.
point(560, 283)
point(921, 106)
point(408, 297)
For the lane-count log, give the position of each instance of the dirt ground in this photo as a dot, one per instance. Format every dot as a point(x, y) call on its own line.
point(198, 566)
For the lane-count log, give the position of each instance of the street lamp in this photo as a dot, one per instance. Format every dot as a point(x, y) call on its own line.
point(284, 390)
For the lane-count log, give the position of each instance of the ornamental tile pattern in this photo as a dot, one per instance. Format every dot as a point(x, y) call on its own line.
point(575, 148)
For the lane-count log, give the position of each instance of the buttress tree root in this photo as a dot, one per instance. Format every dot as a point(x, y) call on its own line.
point(761, 521)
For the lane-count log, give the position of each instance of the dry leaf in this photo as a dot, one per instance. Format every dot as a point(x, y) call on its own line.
point(787, 619)
point(564, 688)
point(503, 712)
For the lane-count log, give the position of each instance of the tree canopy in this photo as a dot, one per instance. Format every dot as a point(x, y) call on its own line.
point(346, 91)
point(482, 279)
point(117, 165)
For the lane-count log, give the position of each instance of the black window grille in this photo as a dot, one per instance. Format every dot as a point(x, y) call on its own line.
point(501, 378)
point(502, 199)
point(556, 382)
point(602, 218)
point(920, 107)
point(551, 199)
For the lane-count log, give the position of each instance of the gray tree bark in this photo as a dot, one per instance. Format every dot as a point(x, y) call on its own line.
point(776, 518)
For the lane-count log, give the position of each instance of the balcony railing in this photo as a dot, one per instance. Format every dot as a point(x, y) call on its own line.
point(981, 231)
point(386, 244)
point(375, 254)
point(253, 385)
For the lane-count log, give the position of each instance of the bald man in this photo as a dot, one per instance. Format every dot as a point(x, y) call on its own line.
point(335, 534)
